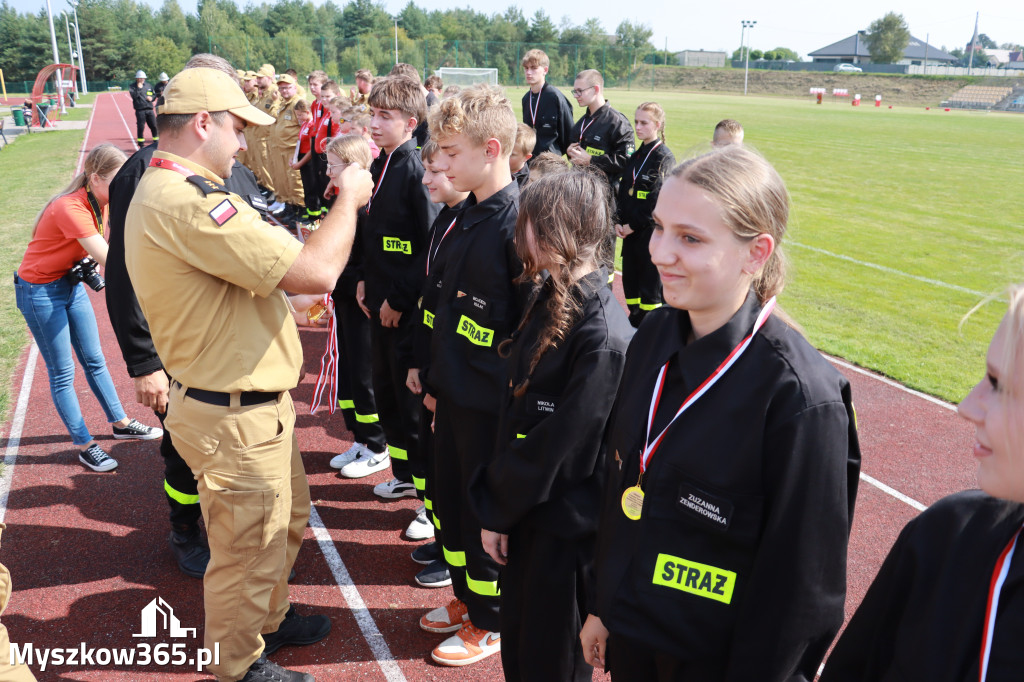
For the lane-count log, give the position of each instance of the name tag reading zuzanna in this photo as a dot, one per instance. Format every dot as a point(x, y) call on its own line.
point(694, 578)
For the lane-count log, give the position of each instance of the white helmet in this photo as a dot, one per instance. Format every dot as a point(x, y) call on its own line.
point(140, 74)
point(164, 77)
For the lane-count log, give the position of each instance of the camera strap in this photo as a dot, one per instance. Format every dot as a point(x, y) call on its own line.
point(97, 215)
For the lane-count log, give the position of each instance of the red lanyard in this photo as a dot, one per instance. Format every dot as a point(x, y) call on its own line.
point(636, 172)
point(534, 107)
point(583, 128)
point(380, 181)
point(730, 360)
point(167, 164)
point(431, 257)
point(995, 588)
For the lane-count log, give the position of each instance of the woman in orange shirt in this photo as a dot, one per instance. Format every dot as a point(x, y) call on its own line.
point(56, 306)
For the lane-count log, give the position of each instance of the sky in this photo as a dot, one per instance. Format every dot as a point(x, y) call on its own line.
point(799, 24)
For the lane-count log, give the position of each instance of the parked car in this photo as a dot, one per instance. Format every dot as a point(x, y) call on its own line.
point(849, 68)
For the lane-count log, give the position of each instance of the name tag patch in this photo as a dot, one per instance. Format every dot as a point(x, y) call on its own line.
point(542, 405)
point(397, 245)
point(428, 318)
point(223, 212)
point(480, 336)
point(641, 195)
point(711, 510)
point(700, 580)
point(594, 151)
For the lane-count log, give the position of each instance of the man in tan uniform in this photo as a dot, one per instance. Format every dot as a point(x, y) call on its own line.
point(209, 276)
point(9, 670)
point(281, 145)
point(252, 92)
point(268, 104)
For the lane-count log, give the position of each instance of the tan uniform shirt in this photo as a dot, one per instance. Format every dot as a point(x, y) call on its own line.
point(206, 269)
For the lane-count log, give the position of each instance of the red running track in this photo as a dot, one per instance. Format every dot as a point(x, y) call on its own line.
point(87, 551)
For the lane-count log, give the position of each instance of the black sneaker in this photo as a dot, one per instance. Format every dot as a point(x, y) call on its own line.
point(427, 554)
point(297, 630)
point(137, 430)
point(96, 459)
point(190, 550)
point(264, 670)
point(434, 575)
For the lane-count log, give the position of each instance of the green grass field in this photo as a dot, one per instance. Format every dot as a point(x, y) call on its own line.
point(928, 196)
point(902, 221)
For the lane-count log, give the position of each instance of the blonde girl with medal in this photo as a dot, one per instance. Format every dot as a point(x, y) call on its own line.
point(947, 604)
point(733, 456)
point(67, 246)
point(638, 190)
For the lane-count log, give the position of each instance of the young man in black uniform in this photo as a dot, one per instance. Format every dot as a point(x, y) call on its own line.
point(188, 545)
point(143, 96)
point(478, 306)
point(545, 108)
point(398, 218)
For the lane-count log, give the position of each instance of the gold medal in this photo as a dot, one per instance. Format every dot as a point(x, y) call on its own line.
point(630, 191)
point(633, 502)
point(315, 312)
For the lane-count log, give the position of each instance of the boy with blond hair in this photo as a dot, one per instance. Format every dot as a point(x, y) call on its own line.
point(522, 151)
point(727, 132)
point(545, 108)
point(478, 306)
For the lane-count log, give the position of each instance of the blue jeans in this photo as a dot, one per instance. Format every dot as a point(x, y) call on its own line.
point(60, 317)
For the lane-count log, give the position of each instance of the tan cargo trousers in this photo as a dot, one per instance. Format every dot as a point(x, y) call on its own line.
point(255, 502)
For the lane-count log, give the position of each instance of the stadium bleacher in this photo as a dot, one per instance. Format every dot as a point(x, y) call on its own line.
point(978, 96)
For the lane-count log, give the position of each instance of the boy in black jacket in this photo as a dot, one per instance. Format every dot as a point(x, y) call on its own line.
point(603, 137)
point(398, 217)
point(478, 305)
point(545, 108)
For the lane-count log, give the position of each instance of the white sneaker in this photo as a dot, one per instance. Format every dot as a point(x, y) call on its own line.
point(469, 645)
point(421, 528)
point(394, 489)
point(366, 463)
point(339, 461)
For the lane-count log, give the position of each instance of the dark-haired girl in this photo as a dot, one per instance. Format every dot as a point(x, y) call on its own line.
point(538, 499)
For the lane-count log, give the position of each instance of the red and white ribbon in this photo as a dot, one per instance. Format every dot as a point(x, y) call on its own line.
point(327, 380)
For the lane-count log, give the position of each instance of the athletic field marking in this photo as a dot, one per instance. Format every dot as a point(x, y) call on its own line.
point(892, 491)
point(14, 439)
point(889, 382)
point(891, 271)
point(88, 129)
point(355, 602)
point(130, 138)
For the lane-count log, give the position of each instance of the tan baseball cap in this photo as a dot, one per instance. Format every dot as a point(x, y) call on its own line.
point(249, 75)
point(286, 78)
point(267, 70)
point(199, 89)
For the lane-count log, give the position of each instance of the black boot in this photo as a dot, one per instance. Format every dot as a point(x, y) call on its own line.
point(190, 549)
point(296, 630)
point(264, 670)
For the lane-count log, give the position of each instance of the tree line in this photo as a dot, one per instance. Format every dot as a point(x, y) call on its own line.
point(121, 36)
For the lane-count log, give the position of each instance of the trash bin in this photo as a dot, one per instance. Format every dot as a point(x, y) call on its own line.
point(19, 116)
point(43, 109)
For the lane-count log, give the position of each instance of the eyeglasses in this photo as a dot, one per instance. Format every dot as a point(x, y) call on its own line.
point(579, 93)
point(332, 166)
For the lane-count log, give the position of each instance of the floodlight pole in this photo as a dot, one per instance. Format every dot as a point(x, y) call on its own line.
point(81, 56)
point(56, 58)
point(746, 50)
point(396, 40)
point(67, 29)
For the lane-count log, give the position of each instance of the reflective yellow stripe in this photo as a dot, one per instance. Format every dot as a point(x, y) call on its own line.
point(180, 498)
point(454, 559)
point(520, 435)
point(428, 503)
point(632, 301)
point(398, 453)
point(397, 245)
point(428, 318)
point(701, 580)
point(437, 522)
point(487, 588)
point(480, 336)
point(649, 306)
point(420, 483)
point(346, 404)
point(367, 418)
point(611, 278)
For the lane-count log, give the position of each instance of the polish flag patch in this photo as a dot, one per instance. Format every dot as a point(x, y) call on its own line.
point(223, 212)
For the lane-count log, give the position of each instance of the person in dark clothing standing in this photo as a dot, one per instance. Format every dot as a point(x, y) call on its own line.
point(143, 97)
point(639, 185)
point(539, 498)
point(948, 603)
point(722, 545)
point(545, 108)
point(159, 89)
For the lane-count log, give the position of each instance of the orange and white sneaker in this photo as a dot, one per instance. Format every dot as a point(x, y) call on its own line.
point(446, 618)
point(469, 645)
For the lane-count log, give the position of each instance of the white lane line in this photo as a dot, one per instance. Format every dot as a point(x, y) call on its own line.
point(129, 130)
point(14, 439)
point(891, 271)
point(85, 140)
point(889, 382)
point(379, 647)
point(892, 491)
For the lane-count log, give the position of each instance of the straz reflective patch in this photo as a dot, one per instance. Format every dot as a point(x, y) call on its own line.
point(641, 195)
point(697, 579)
point(595, 152)
point(397, 245)
point(481, 336)
point(428, 318)
point(223, 212)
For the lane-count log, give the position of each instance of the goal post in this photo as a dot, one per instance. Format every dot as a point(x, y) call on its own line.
point(464, 77)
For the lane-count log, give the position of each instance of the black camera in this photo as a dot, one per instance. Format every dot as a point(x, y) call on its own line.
point(85, 271)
